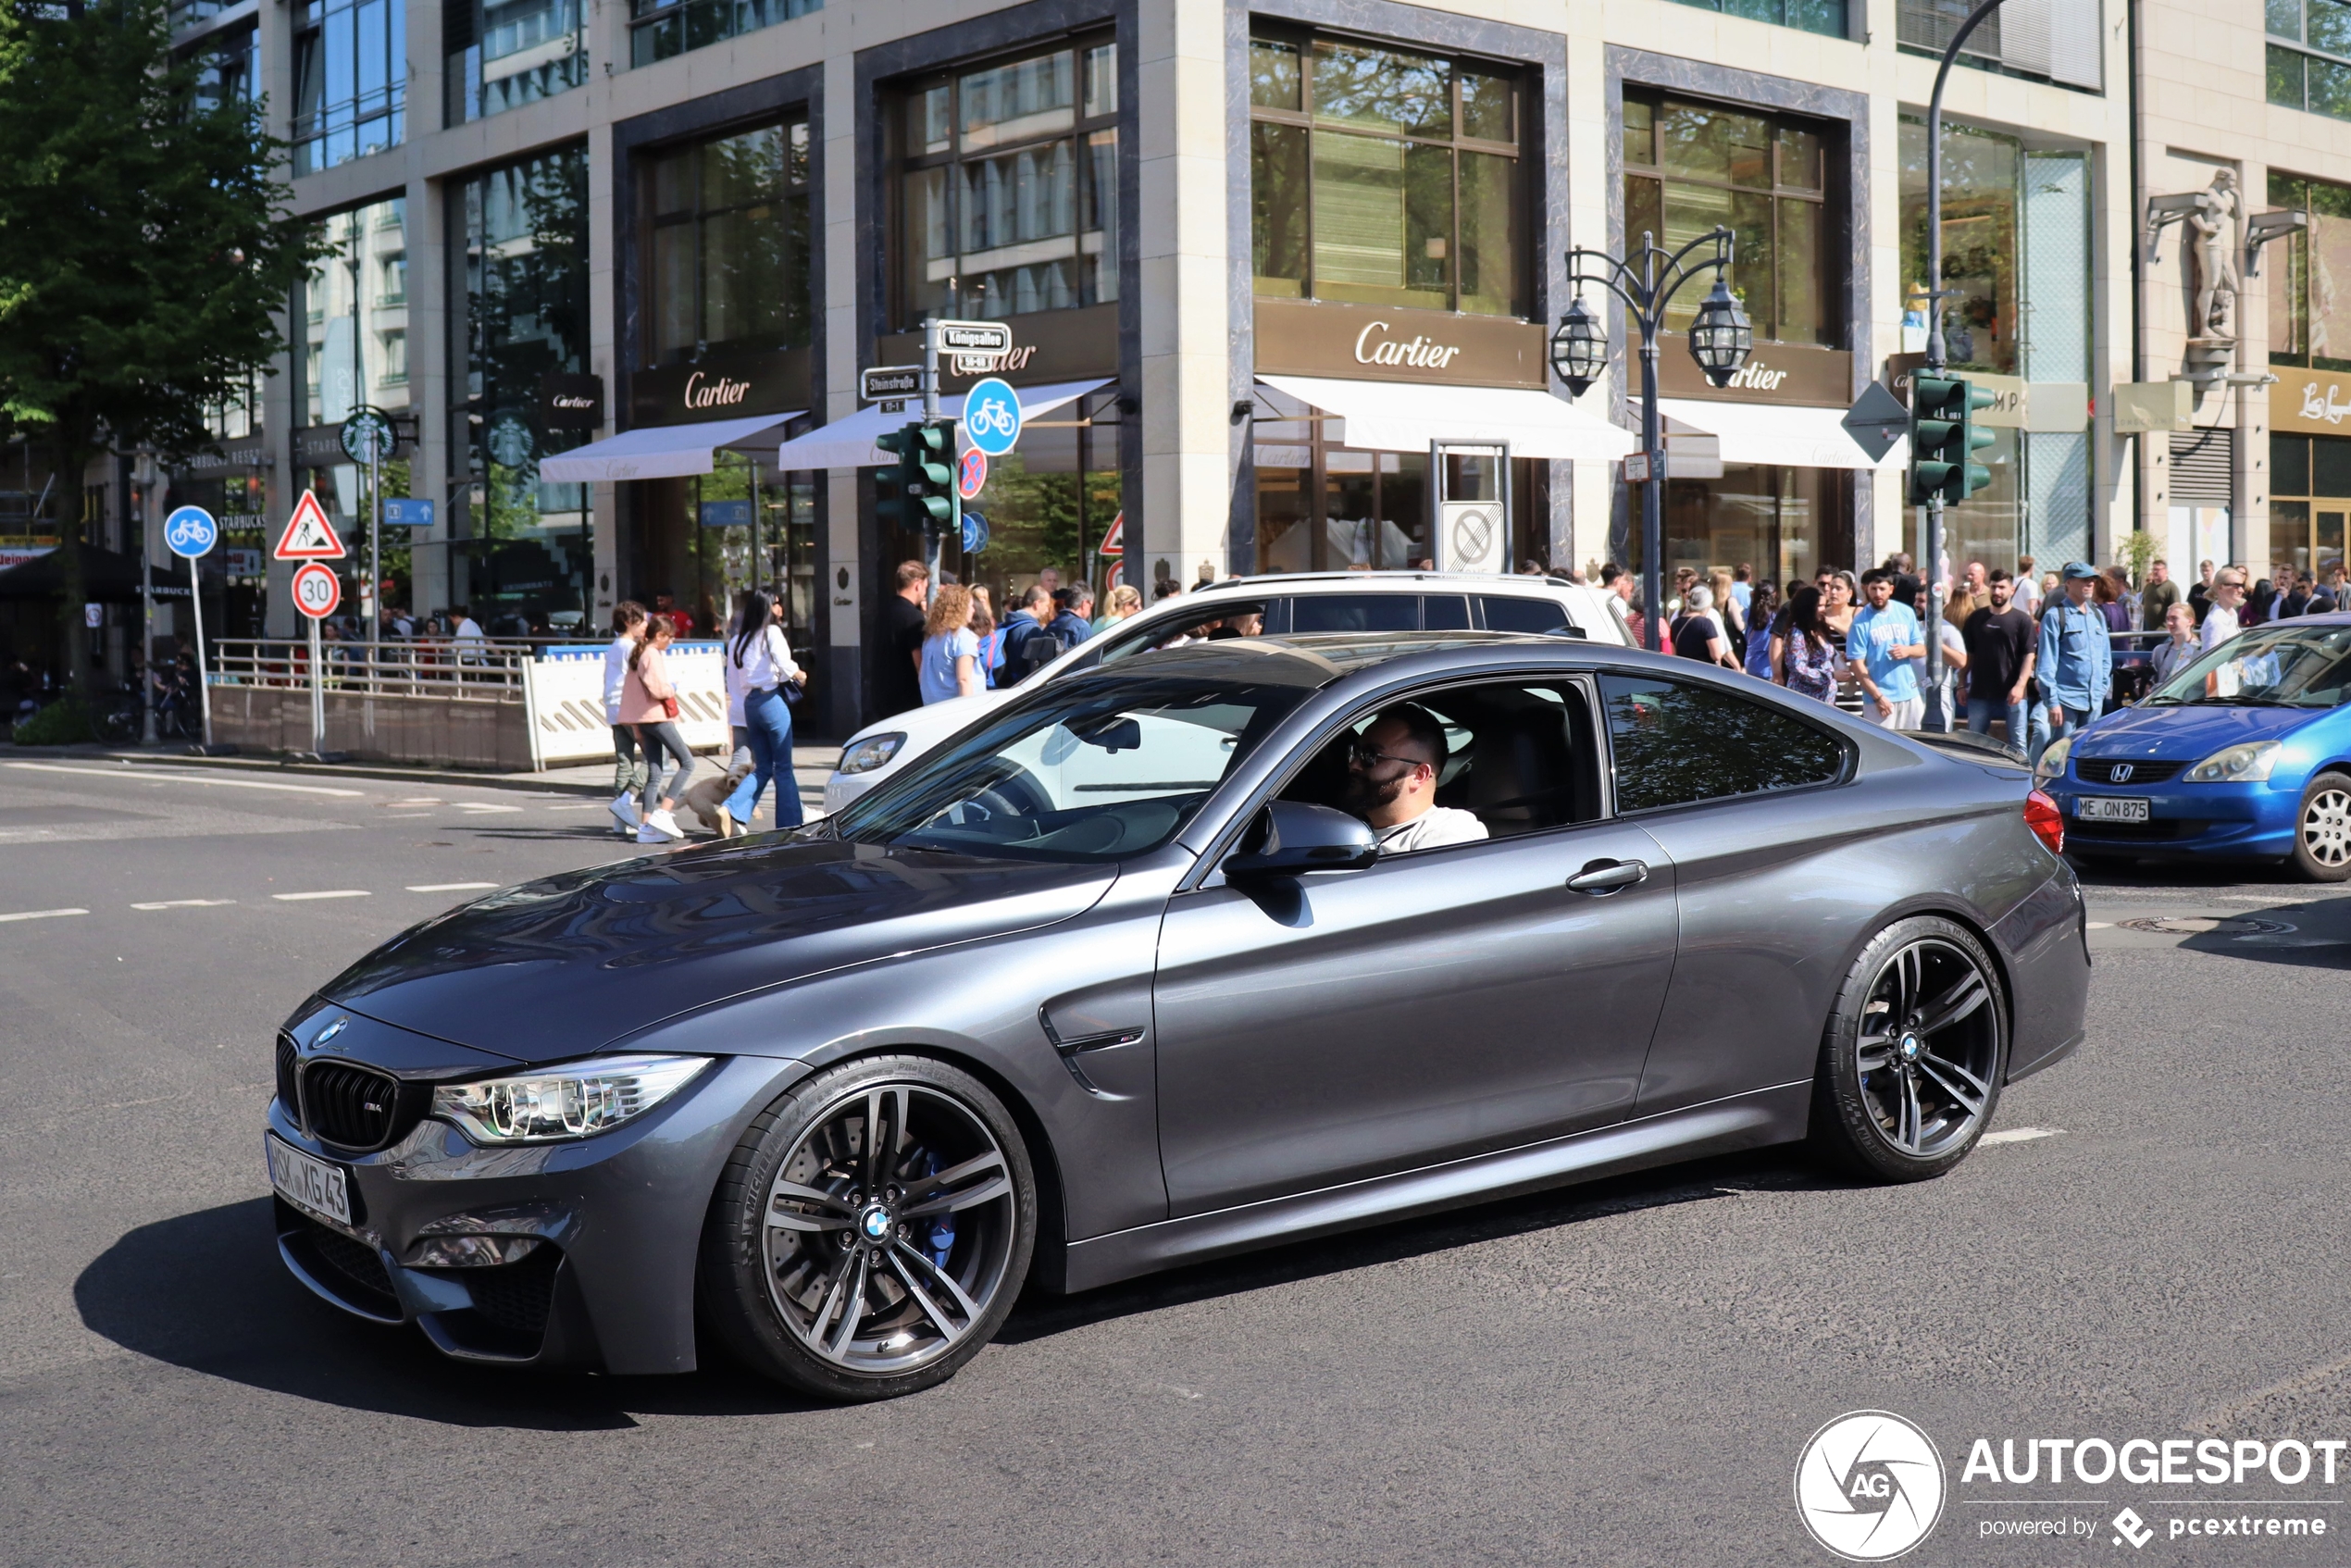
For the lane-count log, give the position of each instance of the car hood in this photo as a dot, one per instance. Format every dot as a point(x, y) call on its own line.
point(559, 967)
point(931, 723)
point(2188, 734)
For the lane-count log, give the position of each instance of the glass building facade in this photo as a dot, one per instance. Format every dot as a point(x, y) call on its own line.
point(725, 225)
point(499, 55)
point(351, 80)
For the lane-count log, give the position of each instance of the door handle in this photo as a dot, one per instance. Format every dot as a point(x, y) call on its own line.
point(1607, 876)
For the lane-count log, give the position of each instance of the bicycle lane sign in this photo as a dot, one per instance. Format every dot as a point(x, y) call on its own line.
point(991, 415)
point(191, 532)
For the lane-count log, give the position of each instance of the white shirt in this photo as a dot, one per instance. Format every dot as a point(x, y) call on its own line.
point(2219, 625)
point(768, 663)
point(1435, 827)
point(616, 676)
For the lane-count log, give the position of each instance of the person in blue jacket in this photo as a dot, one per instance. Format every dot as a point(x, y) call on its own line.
point(2076, 662)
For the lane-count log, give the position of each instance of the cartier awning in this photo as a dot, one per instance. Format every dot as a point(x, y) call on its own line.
point(1765, 433)
point(849, 443)
point(663, 451)
point(1405, 416)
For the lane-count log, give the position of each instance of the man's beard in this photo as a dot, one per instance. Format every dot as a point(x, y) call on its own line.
point(1361, 797)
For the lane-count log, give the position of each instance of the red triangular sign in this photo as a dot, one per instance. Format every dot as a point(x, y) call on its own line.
point(308, 536)
point(1114, 541)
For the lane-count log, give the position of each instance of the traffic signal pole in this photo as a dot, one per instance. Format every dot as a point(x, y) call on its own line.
point(1933, 543)
point(931, 414)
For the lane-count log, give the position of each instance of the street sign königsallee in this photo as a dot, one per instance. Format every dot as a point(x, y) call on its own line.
point(974, 337)
point(889, 381)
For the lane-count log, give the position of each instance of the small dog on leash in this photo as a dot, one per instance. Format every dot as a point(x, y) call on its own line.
point(707, 798)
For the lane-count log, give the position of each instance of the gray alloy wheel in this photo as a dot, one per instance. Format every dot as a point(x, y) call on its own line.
point(2322, 829)
point(1912, 1066)
point(872, 1231)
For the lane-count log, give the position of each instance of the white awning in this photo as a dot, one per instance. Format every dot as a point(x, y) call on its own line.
point(1405, 416)
point(1762, 432)
point(849, 443)
point(660, 452)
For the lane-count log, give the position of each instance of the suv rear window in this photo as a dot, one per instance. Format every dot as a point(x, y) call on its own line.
point(1508, 613)
point(1355, 612)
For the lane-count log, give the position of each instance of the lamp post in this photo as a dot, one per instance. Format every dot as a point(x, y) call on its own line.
point(146, 477)
point(1720, 340)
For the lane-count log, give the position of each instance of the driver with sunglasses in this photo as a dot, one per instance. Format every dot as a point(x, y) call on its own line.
point(1391, 783)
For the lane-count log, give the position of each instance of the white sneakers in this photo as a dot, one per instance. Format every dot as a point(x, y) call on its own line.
point(660, 828)
point(624, 811)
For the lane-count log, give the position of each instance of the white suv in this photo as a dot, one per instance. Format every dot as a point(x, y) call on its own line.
point(1304, 603)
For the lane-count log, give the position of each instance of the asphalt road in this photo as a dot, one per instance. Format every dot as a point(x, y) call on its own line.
point(1618, 1374)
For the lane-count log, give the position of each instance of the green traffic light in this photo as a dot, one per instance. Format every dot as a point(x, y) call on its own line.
point(1944, 437)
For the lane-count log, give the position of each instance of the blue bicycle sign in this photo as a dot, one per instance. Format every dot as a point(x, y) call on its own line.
point(191, 531)
point(991, 416)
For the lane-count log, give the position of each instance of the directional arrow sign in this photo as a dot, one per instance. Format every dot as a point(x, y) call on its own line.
point(308, 536)
point(1877, 420)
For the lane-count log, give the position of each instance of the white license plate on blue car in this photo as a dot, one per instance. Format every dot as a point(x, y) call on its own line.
point(2109, 808)
point(307, 1183)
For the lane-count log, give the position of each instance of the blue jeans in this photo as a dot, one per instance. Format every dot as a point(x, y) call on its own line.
point(2043, 733)
point(768, 725)
point(1981, 711)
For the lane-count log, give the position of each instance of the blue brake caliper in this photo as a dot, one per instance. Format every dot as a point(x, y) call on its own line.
point(943, 1229)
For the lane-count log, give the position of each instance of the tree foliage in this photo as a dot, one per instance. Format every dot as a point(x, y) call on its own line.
point(146, 250)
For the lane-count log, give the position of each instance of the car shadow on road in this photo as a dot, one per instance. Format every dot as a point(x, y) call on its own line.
point(1780, 1169)
point(2313, 934)
point(206, 1291)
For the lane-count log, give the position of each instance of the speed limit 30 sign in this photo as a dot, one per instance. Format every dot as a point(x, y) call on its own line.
point(317, 591)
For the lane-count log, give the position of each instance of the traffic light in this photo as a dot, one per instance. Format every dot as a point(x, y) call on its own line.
point(918, 489)
point(1943, 439)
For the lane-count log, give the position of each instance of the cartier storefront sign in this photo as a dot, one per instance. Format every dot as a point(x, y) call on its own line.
point(1365, 343)
point(721, 387)
point(1048, 347)
point(569, 402)
point(1799, 375)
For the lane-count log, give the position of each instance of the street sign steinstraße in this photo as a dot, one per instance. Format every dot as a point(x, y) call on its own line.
point(884, 381)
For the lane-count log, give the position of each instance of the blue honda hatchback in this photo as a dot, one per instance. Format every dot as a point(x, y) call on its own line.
point(2245, 754)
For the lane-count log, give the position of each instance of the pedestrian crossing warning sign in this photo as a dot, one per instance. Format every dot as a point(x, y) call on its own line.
point(308, 536)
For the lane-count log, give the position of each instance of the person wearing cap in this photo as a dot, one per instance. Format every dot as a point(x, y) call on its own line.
point(2075, 664)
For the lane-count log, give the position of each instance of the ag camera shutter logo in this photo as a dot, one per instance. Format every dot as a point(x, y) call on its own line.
point(1870, 1485)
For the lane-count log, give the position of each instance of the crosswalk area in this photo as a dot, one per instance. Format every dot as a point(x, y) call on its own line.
point(155, 907)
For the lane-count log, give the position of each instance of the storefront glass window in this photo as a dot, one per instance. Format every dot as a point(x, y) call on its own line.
point(1784, 523)
point(2310, 486)
point(659, 29)
point(1385, 177)
point(1008, 188)
point(1690, 167)
point(499, 53)
point(351, 79)
point(700, 570)
point(520, 551)
point(2310, 281)
point(1981, 193)
point(727, 227)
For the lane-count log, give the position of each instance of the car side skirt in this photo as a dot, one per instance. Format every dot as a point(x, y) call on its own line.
point(1778, 1114)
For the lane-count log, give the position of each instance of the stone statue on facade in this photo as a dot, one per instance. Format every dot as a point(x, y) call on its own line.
point(2213, 253)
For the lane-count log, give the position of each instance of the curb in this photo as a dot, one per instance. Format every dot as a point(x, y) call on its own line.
point(384, 772)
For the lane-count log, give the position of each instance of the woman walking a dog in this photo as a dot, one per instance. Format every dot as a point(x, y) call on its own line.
point(759, 665)
point(649, 703)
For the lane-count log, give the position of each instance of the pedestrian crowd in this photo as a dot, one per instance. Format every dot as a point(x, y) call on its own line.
point(947, 641)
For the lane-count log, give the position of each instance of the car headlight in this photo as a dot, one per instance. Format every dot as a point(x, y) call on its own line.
point(578, 1100)
point(871, 752)
point(2249, 764)
point(2053, 761)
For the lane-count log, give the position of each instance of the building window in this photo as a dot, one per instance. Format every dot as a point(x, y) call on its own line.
point(1812, 16)
point(353, 305)
point(499, 53)
point(659, 29)
point(225, 65)
point(351, 80)
point(1690, 166)
point(1386, 177)
point(1008, 187)
point(725, 230)
point(1981, 179)
point(518, 266)
point(2059, 40)
point(2309, 61)
point(2310, 496)
point(2305, 279)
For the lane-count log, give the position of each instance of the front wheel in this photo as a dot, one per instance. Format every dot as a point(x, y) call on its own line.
point(2322, 829)
point(1911, 1062)
point(871, 1230)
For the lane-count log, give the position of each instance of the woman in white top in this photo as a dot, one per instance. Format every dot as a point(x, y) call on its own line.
point(628, 762)
point(759, 663)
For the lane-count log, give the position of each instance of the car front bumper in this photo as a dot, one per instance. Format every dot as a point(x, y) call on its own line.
point(2220, 820)
point(617, 1219)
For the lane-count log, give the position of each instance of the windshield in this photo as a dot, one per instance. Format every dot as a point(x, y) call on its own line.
point(2286, 666)
point(1091, 770)
point(1217, 622)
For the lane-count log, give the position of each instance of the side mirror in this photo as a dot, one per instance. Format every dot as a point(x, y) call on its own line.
point(1292, 838)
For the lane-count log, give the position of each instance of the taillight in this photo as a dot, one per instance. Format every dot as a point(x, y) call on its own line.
point(2048, 823)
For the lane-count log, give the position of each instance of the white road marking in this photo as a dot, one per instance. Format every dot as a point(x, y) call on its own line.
point(42, 913)
point(2020, 1135)
point(156, 776)
point(185, 903)
point(398, 813)
point(329, 893)
point(581, 805)
point(449, 887)
point(2101, 925)
point(483, 806)
point(420, 800)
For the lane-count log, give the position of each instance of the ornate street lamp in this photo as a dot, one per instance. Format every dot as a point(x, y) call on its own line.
point(1720, 340)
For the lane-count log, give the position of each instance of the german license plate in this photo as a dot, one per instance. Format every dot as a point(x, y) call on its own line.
point(2109, 808)
point(307, 1183)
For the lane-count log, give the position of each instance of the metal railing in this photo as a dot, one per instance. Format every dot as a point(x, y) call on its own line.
point(477, 669)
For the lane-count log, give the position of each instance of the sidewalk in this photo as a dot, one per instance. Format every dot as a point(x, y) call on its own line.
point(811, 765)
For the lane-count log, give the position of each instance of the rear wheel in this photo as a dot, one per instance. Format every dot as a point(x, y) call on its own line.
point(2322, 829)
point(1910, 1067)
point(871, 1230)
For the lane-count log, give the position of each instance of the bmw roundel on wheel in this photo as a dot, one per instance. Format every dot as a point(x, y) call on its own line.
point(1213, 947)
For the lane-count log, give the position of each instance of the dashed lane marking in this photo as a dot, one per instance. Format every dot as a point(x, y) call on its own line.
point(2020, 1135)
point(156, 776)
point(42, 913)
point(449, 887)
point(329, 893)
point(185, 903)
point(482, 806)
